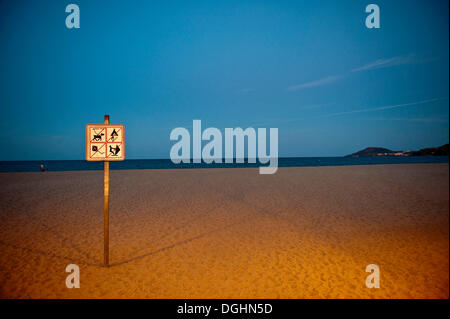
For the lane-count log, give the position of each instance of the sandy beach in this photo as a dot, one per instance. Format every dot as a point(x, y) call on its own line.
point(304, 232)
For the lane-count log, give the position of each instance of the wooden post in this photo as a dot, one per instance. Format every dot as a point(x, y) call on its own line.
point(106, 208)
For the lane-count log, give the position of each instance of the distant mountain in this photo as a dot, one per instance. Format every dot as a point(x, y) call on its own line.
point(436, 151)
point(372, 151)
point(380, 151)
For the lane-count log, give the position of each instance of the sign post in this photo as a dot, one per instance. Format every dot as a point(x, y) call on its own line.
point(106, 208)
point(105, 142)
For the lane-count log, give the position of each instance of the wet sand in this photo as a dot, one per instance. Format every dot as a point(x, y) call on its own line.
point(305, 232)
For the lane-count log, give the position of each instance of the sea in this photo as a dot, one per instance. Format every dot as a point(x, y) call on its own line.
point(83, 165)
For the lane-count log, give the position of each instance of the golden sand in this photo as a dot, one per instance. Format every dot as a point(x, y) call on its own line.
point(228, 233)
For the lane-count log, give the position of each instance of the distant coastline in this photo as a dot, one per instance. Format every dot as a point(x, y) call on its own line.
point(380, 151)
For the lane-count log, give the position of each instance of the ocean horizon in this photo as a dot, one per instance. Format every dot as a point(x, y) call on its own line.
point(82, 165)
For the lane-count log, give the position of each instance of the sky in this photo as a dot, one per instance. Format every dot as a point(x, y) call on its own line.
point(309, 68)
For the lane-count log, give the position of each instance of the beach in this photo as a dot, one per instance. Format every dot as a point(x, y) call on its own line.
point(304, 232)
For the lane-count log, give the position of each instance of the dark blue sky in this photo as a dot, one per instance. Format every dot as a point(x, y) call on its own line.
point(310, 68)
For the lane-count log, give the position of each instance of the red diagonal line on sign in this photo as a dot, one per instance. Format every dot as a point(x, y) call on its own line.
point(117, 133)
point(97, 150)
point(98, 133)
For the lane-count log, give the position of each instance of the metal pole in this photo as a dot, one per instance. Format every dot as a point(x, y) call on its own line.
point(106, 207)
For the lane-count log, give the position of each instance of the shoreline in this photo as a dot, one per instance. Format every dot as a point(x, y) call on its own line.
point(222, 166)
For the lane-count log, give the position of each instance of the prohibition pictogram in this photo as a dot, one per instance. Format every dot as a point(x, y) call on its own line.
point(105, 142)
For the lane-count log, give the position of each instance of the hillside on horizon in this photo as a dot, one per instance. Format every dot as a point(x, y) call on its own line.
point(381, 151)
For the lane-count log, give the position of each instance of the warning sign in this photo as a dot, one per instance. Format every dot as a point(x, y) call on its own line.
point(105, 142)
